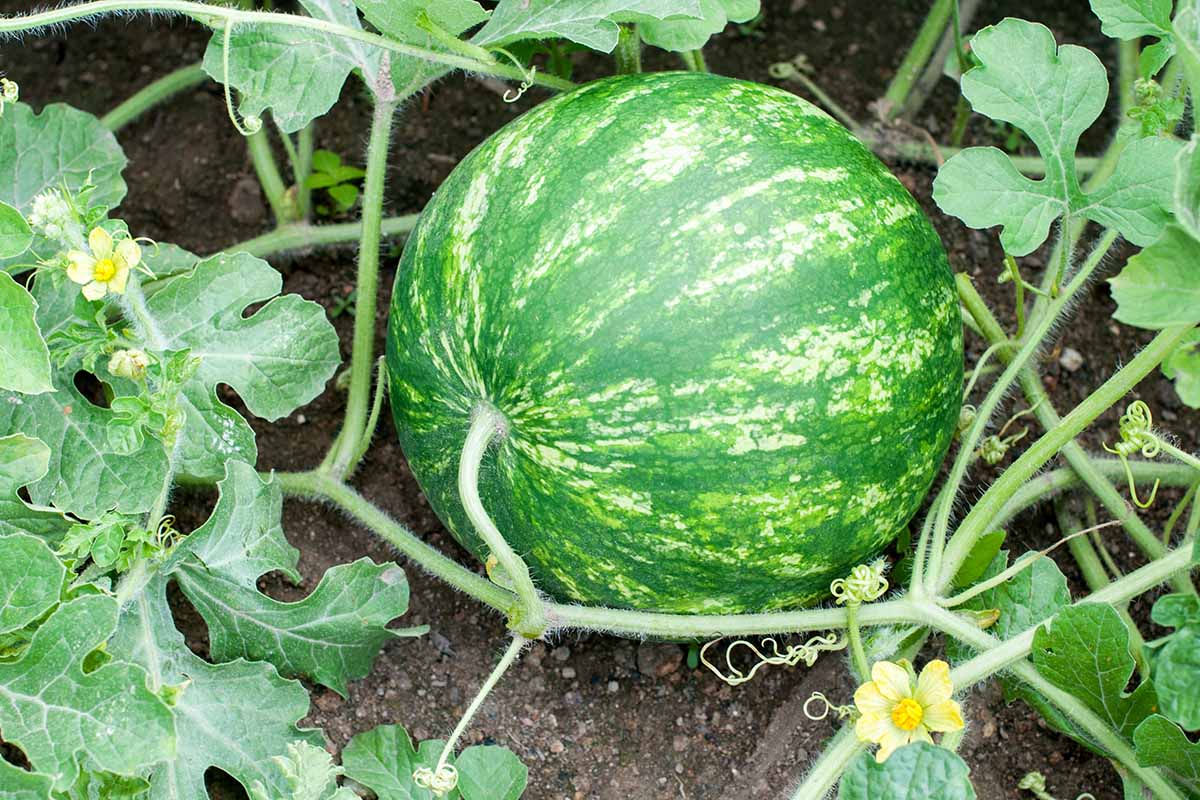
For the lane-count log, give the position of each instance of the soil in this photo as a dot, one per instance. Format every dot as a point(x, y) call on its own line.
point(592, 716)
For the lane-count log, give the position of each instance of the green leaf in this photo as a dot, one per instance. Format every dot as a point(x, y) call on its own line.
point(1159, 742)
point(15, 235)
point(397, 19)
point(1085, 651)
point(21, 785)
point(979, 559)
point(384, 759)
point(592, 23)
point(22, 461)
point(1160, 286)
point(86, 475)
point(917, 770)
point(30, 580)
point(1053, 94)
point(100, 785)
point(297, 73)
point(488, 772)
point(234, 716)
point(1177, 662)
point(344, 195)
point(62, 146)
point(331, 636)
point(1183, 367)
point(24, 358)
point(681, 35)
point(309, 773)
point(276, 359)
point(56, 713)
point(1132, 19)
point(326, 161)
point(1187, 187)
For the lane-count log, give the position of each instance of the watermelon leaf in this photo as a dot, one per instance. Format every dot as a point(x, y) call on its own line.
point(24, 460)
point(1183, 367)
point(1159, 742)
point(1133, 19)
point(1053, 94)
point(592, 23)
point(22, 785)
point(32, 578)
point(384, 759)
point(15, 235)
point(916, 770)
point(1177, 659)
point(680, 35)
point(58, 713)
point(297, 73)
point(1085, 651)
point(62, 147)
point(398, 19)
point(24, 358)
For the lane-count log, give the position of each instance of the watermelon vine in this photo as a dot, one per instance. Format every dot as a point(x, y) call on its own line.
point(673, 355)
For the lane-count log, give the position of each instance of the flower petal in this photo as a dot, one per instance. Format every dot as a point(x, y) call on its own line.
point(80, 266)
point(891, 680)
point(117, 282)
point(101, 243)
point(890, 741)
point(869, 700)
point(934, 685)
point(873, 728)
point(94, 290)
point(942, 717)
point(128, 254)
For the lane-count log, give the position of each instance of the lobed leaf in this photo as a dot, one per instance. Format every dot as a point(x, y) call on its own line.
point(1053, 94)
point(1183, 367)
point(918, 771)
point(1176, 662)
point(297, 73)
point(23, 460)
point(61, 147)
point(22, 785)
point(683, 34)
point(15, 235)
point(57, 713)
point(1085, 651)
point(24, 358)
point(398, 19)
point(592, 23)
point(1132, 19)
point(384, 759)
point(1158, 742)
point(31, 578)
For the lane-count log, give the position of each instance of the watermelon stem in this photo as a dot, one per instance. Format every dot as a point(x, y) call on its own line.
point(528, 615)
point(628, 54)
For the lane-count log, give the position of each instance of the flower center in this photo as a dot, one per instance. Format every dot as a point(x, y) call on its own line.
point(105, 270)
point(907, 714)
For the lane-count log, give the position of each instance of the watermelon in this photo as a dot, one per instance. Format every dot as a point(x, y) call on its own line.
point(725, 339)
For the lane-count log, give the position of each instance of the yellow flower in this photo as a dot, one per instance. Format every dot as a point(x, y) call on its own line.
point(898, 708)
point(128, 364)
point(106, 269)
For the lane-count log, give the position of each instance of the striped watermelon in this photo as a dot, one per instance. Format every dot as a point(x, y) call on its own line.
point(724, 336)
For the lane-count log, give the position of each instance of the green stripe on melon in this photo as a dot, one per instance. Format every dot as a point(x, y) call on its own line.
point(724, 336)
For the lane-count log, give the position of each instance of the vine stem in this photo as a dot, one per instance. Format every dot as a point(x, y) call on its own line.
point(159, 91)
point(301, 235)
point(269, 176)
point(206, 14)
point(510, 655)
point(834, 761)
point(343, 456)
point(917, 56)
point(487, 424)
point(978, 519)
point(969, 441)
point(1043, 409)
point(857, 653)
point(1180, 455)
point(628, 54)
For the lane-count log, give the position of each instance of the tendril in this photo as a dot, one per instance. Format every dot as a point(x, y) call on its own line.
point(827, 707)
point(1136, 429)
point(252, 124)
point(513, 95)
point(441, 782)
point(808, 652)
point(1035, 784)
point(865, 584)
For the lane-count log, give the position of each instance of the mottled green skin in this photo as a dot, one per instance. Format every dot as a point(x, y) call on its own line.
point(724, 335)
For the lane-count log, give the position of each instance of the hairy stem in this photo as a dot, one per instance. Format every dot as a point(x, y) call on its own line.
point(857, 653)
point(342, 457)
point(218, 16)
point(842, 749)
point(628, 55)
point(510, 655)
point(299, 236)
point(486, 425)
point(269, 176)
point(917, 56)
point(157, 92)
point(693, 60)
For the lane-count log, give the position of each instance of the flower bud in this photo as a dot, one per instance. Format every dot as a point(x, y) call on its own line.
point(129, 364)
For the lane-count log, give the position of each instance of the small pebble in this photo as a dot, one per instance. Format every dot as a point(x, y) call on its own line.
point(568, 672)
point(557, 746)
point(613, 687)
point(1071, 359)
point(561, 653)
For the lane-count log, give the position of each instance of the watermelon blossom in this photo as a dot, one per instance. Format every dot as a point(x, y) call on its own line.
point(106, 269)
point(9, 92)
point(899, 708)
point(128, 364)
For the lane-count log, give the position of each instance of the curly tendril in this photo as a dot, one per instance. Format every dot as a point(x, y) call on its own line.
point(865, 584)
point(1035, 784)
point(808, 652)
point(1136, 428)
point(440, 782)
point(513, 95)
point(826, 708)
point(250, 125)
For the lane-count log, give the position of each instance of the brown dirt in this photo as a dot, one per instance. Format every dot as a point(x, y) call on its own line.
point(587, 713)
